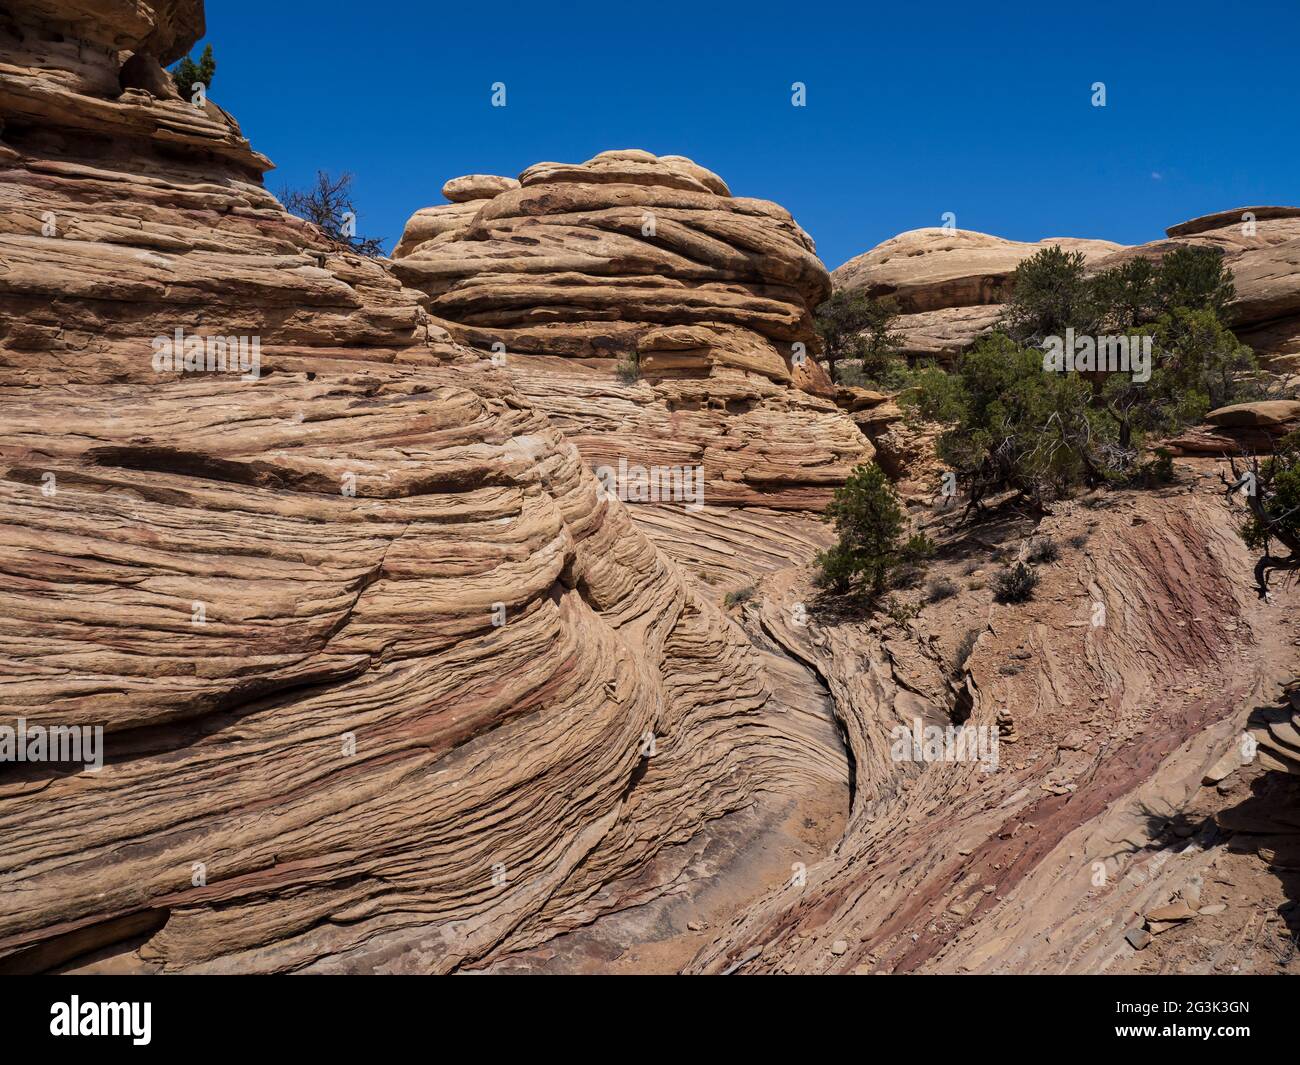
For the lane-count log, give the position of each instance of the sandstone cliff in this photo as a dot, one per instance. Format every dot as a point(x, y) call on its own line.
point(387, 683)
point(649, 260)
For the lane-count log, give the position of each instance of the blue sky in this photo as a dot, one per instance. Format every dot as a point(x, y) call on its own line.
point(912, 111)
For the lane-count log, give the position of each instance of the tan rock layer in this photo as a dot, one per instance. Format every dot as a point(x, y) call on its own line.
point(641, 259)
point(950, 285)
point(387, 682)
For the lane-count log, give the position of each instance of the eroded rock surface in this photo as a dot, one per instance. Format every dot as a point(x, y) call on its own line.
point(387, 683)
point(1112, 693)
point(648, 261)
point(1261, 246)
point(949, 284)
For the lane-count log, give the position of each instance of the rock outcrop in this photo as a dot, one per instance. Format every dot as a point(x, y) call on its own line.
point(1131, 672)
point(389, 681)
point(386, 681)
point(647, 261)
point(1261, 246)
point(1242, 427)
point(949, 284)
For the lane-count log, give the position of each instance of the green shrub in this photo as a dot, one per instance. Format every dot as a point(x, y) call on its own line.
point(1051, 291)
point(901, 611)
point(871, 554)
point(187, 73)
point(1015, 584)
point(1014, 425)
point(854, 327)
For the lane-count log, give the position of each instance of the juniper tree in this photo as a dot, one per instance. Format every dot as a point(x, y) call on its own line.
point(853, 326)
point(872, 552)
point(186, 74)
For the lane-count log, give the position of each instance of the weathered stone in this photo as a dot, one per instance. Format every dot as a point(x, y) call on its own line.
point(660, 321)
point(477, 187)
point(375, 658)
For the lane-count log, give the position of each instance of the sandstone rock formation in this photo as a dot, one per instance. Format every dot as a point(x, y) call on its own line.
point(636, 258)
point(387, 682)
point(1107, 731)
point(1261, 247)
point(1251, 427)
point(949, 285)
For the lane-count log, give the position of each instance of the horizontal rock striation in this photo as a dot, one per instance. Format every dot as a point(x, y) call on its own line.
point(1261, 246)
point(647, 261)
point(386, 681)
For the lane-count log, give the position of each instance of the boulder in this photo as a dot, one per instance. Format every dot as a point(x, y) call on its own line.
point(1277, 415)
point(477, 187)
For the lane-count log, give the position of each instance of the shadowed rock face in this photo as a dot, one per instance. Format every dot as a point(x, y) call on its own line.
point(632, 256)
point(375, 660)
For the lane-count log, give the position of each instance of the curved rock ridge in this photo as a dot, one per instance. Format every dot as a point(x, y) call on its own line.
point(988, 861)
point(386, 681)
point(949, 284)
point(636, 258)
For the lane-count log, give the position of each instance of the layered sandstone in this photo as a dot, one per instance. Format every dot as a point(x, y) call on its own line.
point(1130, 674)
point(387, 682)
point(1261, 247)
point(949, 284)
point(647, 261)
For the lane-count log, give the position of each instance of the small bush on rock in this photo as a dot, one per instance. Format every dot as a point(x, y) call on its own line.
point(740, 595)
point(1015, 584)
point(939, 589)
point(871, 555)
point(1043, 549)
